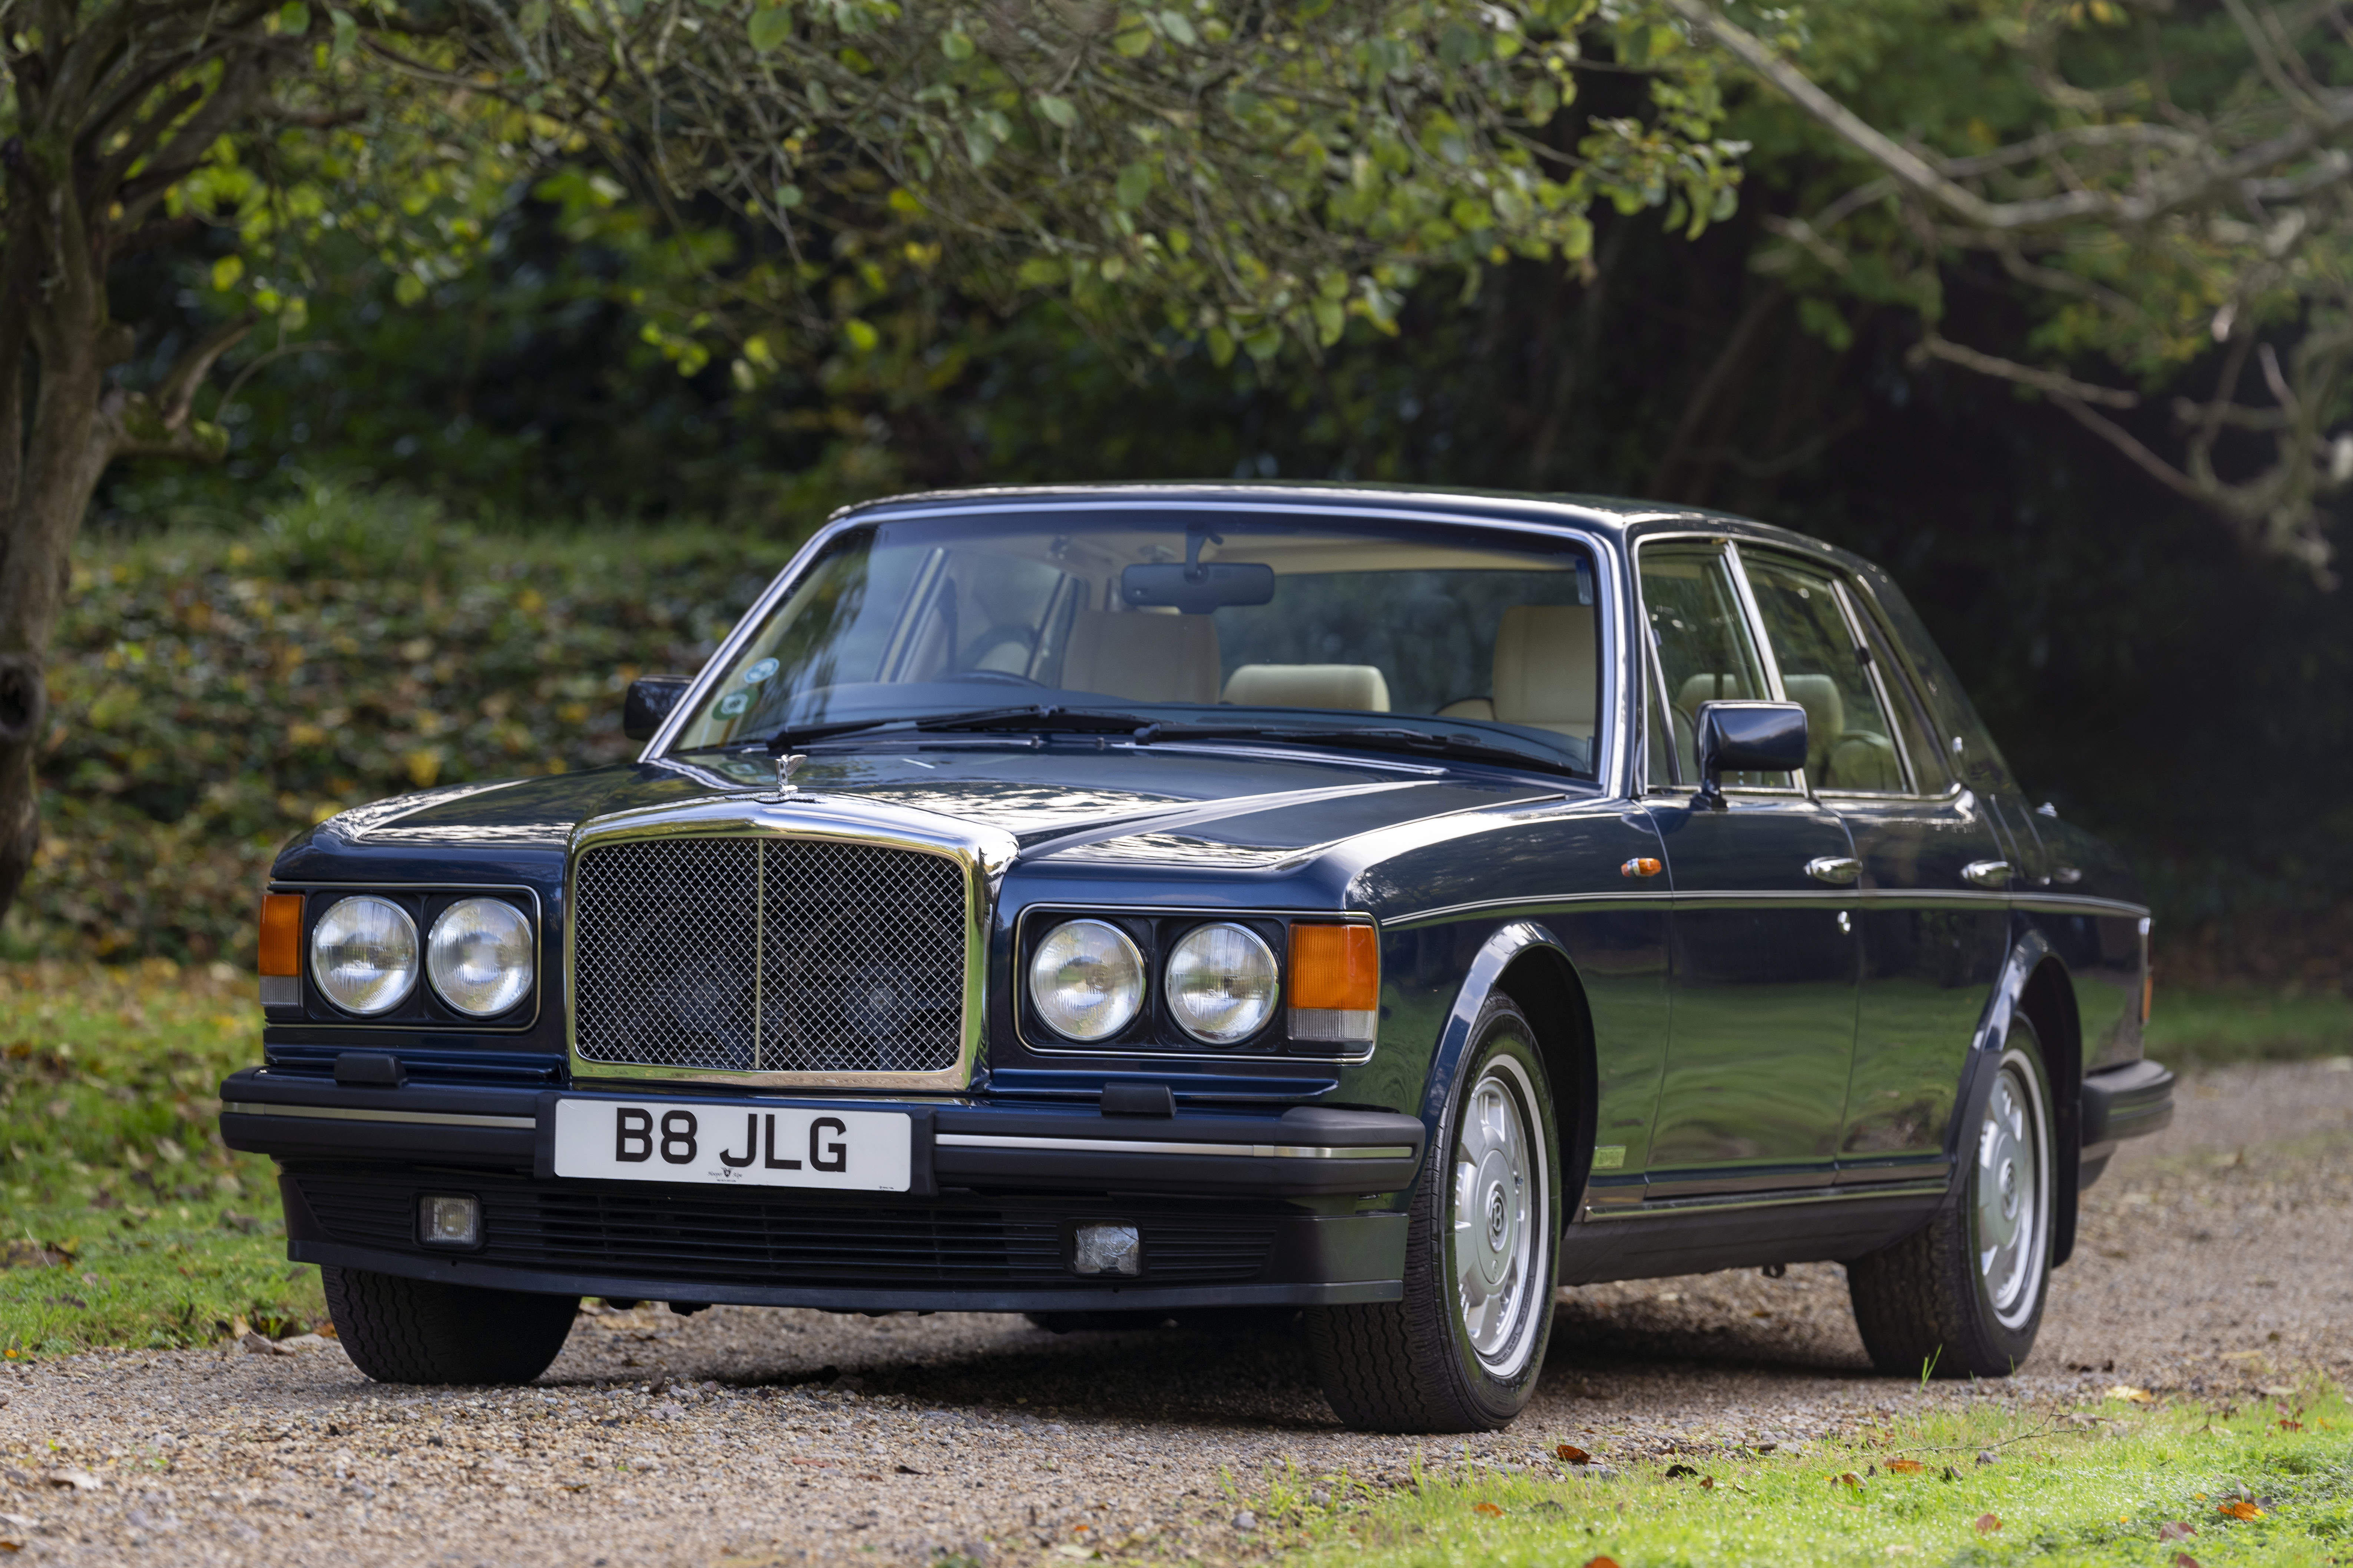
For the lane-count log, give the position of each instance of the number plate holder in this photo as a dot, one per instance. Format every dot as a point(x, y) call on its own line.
point(764, 1143)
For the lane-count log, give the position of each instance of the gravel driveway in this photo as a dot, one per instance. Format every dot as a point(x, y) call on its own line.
point(2211, 1261)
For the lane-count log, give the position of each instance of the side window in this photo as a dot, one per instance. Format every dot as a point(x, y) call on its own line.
point(1850, 745)
point(1705, 654)
point(1912, 726)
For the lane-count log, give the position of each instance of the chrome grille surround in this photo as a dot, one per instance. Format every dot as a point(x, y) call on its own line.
point(793, 940)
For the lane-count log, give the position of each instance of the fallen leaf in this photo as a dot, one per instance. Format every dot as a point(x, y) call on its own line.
point(1904, 1467)
point(1572, 1454)
point(1602, 1562)
point(2291, 1425)
point(1848, 1479)
point(1677, 1472)
point(2184, 1560)
point(80, 1480)
point(909, 1470)
point(2277, 1391)
point(2241, 1509)
point(1988, 1523)
point(1707, 1483)
point(2138, 1395)
point(1490, 1510)
point(2176, 1530)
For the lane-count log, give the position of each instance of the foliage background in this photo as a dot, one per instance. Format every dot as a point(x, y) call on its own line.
point(435, 551)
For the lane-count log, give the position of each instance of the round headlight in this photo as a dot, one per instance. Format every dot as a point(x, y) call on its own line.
point(364, 954)
point(1086, 980)
point(1221, 983)
point(479, 956)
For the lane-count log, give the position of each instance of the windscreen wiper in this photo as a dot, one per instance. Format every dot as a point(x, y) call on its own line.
point(1371, 738)
point(1034, 716)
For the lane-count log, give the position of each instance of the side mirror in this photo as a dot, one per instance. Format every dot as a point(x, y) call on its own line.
point(650, 699)
point(1748, 737)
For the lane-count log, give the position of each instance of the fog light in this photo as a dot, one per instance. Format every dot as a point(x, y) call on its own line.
point(451, 1221)
point(1107, 1249)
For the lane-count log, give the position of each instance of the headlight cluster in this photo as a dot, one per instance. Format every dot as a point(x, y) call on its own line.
point(1220, 982)
point(365, 955)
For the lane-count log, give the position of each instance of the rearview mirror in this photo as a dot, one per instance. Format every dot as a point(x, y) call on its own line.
point(1199, 589)
point(650, 699)
point(1748, 737)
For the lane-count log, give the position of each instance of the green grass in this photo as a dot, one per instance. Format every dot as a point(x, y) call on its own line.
point(2062, 1489)
point(127, 1222)
point(2213, 1026)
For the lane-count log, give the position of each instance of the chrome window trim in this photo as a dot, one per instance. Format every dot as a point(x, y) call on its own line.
point(1837, 577)
point(1771, 670)
point(981, 855)
point(1609, 765)
point(424, 983)
point(1152, 982)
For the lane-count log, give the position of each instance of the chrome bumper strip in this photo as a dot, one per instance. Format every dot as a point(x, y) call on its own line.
point(347, 1114)
point(1150, 1146)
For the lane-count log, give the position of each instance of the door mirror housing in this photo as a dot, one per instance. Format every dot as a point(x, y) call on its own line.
point(650, 699)
point(1748, 737)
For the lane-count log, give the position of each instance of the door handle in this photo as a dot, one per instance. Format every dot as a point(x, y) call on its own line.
point(1838, 870)
point(1987, 873)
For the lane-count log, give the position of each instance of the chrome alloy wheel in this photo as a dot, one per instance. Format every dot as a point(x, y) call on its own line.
point(1501, 1232)
point(2009, 1231)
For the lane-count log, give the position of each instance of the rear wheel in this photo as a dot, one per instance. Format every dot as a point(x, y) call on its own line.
point(1460, 1352)
point(399, 1330)
point(1964, 1297)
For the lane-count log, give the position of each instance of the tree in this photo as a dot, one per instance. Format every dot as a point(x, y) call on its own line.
point(1245, 177)
point(2171, 188)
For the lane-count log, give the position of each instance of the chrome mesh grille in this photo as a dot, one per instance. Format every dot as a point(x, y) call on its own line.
point(768, 955)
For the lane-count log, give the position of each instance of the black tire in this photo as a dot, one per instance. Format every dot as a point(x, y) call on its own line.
point(417, 1330)
point(1094, 1322)
point(1927, 1302)
point(1413, 1366)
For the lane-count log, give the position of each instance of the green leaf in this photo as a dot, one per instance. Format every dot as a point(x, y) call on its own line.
point(226, 272)
point(1135, 184)
point(294, 19)
point(1133, 42)
point(1178, 28)
point(955, 45)
point(1221, 347)
point(862, 335)
point(347, 35)
point(770, 27)
point(1058, 110)
point(788, 196)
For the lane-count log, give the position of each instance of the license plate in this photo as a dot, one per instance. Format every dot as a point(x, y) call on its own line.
point(734, 1146)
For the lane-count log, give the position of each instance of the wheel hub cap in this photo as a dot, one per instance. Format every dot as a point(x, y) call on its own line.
point(2008, 1197)
point(1495, 1240)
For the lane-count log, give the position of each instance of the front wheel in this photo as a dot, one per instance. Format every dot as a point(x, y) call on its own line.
point(399, 1330)
point(1964, 1297)
point(1460, 1352)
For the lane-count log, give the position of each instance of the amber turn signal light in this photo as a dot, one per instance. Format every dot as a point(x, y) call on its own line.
point(1642, 866)
point(1336, 982)
point(281, 934)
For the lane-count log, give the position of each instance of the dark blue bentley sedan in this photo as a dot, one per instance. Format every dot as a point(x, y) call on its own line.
point(1121, 903)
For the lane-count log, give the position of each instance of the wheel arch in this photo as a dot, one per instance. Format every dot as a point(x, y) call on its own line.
point(1527, 961)
point(2048, 1001)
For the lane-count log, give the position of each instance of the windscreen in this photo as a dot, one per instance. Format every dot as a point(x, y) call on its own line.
point(1199, 617)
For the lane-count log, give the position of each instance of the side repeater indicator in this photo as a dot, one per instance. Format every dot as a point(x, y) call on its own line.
point(1642, 866)
point(1335, 983)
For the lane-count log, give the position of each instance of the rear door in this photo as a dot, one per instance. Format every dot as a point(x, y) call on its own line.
point(1931, 939)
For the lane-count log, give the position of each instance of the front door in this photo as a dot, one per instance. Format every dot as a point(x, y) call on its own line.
point(1761, 1034)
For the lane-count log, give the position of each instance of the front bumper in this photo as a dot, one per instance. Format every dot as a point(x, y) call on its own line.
point(1234, 1209)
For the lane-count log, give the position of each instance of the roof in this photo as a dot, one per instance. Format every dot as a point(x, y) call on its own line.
point(1609, 514)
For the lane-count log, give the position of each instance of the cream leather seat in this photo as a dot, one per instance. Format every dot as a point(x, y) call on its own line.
point(1546, 675)
point(1825, 720)
point(1359, 688)
point(1143, 657)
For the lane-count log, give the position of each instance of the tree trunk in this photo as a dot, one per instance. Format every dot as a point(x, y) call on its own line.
point(56, 305)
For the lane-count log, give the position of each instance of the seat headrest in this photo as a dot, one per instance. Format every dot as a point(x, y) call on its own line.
point(1143, 657)
point(1547, 673)
point(1699, 689)
point(1825, 708)
point(1361, 687)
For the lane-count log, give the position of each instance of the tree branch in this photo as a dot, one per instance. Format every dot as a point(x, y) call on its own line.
point(2065, 387)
